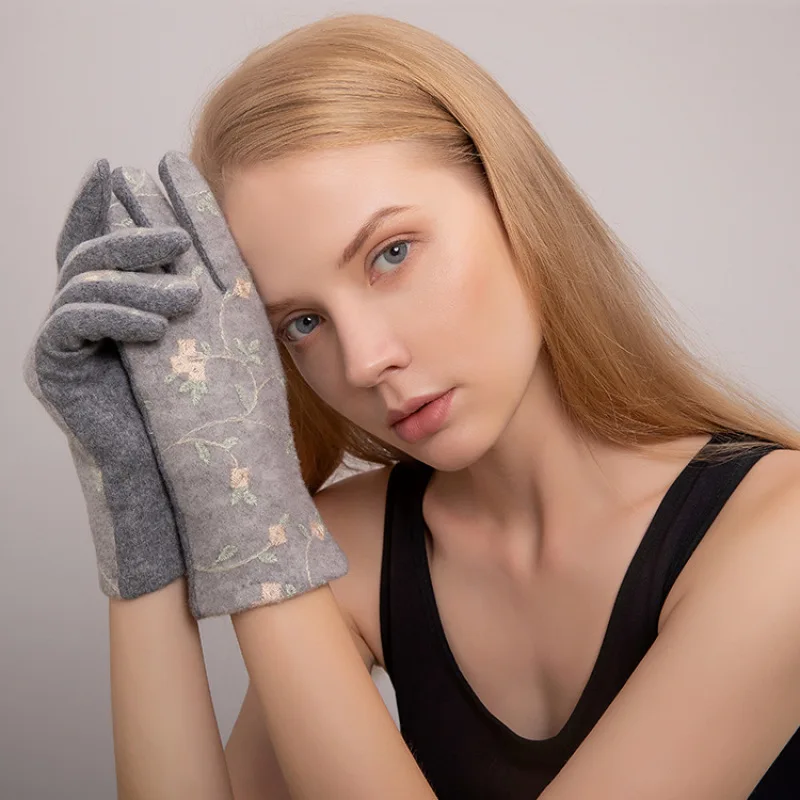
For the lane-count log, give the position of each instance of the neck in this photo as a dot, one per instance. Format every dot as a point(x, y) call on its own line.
point(542, 488)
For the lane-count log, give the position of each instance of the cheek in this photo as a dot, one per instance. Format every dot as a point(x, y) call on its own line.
point(476, 304)
point(315, 378)
point(323, 376)
point(494, 336)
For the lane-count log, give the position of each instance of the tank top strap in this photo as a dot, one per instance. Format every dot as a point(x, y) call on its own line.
point(406, 486)
point(716, 480)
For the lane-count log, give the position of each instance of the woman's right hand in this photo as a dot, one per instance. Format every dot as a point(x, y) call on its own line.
point(111, 288)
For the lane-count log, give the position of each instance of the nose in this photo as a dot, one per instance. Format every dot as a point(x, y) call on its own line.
point(371, 343)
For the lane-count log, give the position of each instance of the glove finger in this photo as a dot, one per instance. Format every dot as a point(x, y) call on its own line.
point(87, 217)
point(120, 218)
point(198, 213)
point(70, 327)
point(166, 295)
point(147, 205)
point(128, 249)
point(142, 198)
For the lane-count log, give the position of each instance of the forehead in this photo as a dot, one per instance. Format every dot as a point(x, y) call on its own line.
point(309, 205)
point(333, 174)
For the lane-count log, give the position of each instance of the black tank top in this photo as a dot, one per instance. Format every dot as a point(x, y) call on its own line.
point(464, 751)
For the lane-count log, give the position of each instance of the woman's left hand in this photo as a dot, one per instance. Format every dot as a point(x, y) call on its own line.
point(212, 391)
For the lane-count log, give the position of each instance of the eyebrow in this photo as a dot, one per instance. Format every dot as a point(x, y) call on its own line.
point(357, 242)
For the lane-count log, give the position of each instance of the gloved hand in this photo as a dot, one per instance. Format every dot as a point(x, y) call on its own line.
point(107, 292)
point(212, 392)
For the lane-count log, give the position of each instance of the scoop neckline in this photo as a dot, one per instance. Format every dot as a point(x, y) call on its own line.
point(551, 745)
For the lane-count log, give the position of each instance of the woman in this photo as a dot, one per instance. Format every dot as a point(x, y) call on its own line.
point(576, 558)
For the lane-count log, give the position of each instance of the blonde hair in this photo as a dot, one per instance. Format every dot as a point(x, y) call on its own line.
point(623, 373)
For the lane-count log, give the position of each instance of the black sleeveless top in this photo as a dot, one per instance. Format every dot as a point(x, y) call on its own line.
point(464, 751)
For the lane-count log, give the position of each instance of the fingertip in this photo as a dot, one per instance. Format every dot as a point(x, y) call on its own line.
point(87, 217)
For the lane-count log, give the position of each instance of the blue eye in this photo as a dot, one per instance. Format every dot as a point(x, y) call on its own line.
point(395, 250)
point(301, 319)
point(401, 246)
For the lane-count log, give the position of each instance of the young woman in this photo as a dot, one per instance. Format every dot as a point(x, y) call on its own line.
point(577, 557)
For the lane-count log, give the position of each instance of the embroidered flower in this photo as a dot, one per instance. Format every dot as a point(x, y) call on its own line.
point(240, 484)
point(277, 534)
point(271, 592)
point(192, 365)
point(242, 288)
point(240, 478)
point(188, 361)
point(318, 529)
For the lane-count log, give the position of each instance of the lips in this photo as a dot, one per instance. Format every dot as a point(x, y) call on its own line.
point(396, 415)
point(425, 421)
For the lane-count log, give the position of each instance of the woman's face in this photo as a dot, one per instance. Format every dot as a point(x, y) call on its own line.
point(428, 302)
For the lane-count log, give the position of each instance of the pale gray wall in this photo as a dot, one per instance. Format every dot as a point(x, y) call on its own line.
point(681, 122)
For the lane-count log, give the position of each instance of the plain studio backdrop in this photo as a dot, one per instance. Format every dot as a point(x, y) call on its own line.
point(680, 120)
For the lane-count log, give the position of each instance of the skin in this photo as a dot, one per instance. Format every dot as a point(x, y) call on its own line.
point(447, 310)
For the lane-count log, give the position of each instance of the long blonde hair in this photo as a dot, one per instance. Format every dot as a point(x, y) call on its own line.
point(624, 372)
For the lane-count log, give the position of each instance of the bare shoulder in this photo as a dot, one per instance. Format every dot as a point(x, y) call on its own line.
point(353, 510)
point(735, 634)
point(771, 482)
point(762, 516)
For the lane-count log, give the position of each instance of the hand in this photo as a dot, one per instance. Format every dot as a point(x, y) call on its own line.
point(212, 392)
point(111, 288)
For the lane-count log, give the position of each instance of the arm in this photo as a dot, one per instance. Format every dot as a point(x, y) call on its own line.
point(166, 740)
point(717, 696)
point(349, 745)
point(252, 762)
point(353, 509)
point(332, 733)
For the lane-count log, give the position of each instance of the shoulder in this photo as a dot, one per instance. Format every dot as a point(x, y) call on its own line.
point(719, 684)
point(353, 510)
point(756, 530)
point(770, 489)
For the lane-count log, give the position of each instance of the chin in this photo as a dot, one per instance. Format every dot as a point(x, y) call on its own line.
point(453, 449)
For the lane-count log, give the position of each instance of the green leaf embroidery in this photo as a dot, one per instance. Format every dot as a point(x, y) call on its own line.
point(196, 388)
point(268, 557)
point(229, 551)
point(206, 348)
point(242, 393)
point(243, 493)
point(202, 451)
point(169, 377)
point(230, 442)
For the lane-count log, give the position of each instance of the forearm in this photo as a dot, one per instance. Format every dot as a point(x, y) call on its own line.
point(332, 733)
point(166, 739)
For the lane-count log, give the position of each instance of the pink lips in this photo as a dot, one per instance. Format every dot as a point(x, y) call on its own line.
point(425, 421)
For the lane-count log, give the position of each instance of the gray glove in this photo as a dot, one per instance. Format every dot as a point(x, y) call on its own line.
point(106, 292)
point(212, 392)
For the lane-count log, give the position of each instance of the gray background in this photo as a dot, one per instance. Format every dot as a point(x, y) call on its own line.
point(680, 120)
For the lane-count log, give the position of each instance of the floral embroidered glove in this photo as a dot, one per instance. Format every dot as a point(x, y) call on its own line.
point(212, 391)
point(106, 291)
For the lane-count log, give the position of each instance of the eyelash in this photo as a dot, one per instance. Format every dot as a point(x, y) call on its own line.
point(281, 334)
